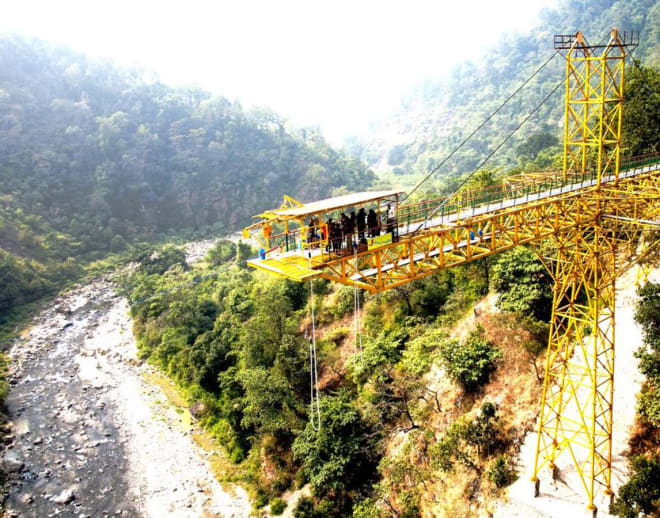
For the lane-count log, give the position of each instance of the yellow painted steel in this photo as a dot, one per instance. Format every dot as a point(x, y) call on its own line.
point(598, 221)
point(577, 403)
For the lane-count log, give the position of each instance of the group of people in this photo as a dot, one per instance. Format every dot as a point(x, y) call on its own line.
point(351, 230)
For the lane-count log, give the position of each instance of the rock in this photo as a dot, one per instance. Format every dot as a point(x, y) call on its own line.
point(198, 409)
point(12, 462)
point(38, 441)
point(65, 497)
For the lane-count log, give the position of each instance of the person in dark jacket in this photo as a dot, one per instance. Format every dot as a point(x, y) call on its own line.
point(372, 223)
point(330, 225)
point(345, 228)
point(361, 222)
point(336, 245)
point(349, 229)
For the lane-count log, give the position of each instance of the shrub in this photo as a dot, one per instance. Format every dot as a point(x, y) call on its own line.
point(277, 506)
point(304, 508)
point(500, 472)
point(641, 494)
point(648, 404)
point(341, 455)
point(483, 431)
point(647, 314)
point(470, 363)
point(342, 302)
point(223, 251)
point(418, 355)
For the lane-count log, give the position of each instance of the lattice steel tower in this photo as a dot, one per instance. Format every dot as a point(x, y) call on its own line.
point(576, 409)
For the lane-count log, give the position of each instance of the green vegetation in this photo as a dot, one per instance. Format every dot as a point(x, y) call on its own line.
point(277, 506)
point(468, 441)
point(95, 158)
point(235, 340)
point(647, 314)
point(641, 115)
point(471, 362)
point(340, 458)
point(641, 494)
point(501, 473)
point(524, 285)
point(101, 161)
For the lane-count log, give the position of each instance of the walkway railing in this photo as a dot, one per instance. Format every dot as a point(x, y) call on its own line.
point(517, 187)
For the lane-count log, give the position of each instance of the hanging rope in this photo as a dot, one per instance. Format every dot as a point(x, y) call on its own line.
point(313, 364)
point(357, 324)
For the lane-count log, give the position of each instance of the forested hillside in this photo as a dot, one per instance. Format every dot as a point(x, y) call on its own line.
point(93, 157)
point(237, 344)
point(442, 111)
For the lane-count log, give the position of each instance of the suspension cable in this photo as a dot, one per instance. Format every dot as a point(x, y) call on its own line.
point(492, 153)
point(485, 121)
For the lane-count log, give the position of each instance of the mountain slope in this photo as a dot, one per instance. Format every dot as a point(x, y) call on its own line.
point(439, 113)
point(93, 158)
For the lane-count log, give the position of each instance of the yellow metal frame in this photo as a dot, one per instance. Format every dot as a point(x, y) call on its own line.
point(577, 403)
point(594, 99)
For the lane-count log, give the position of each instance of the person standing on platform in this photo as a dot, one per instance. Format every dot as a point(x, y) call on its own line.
point(361, 222)
point(351, 231)
point(268, 231)
point(345, 226)
point(372, 223)
point(390, 219)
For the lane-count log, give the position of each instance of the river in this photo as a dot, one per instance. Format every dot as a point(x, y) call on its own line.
point(92, 436)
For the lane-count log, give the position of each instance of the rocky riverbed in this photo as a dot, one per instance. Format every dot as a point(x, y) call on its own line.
point(91, 435)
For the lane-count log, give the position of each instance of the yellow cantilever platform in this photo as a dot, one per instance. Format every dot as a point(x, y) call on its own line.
point(294, 267)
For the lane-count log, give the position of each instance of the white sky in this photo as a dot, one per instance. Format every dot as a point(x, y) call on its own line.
point(338, 64)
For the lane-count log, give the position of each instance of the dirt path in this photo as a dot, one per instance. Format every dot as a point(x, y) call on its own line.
point(92, 436)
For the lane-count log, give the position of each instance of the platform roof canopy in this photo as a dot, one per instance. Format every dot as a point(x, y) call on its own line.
point(330, 204)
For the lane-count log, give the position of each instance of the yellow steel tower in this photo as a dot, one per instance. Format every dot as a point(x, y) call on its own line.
point(576, 408)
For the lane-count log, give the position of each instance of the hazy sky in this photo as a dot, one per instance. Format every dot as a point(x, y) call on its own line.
point(337, 64)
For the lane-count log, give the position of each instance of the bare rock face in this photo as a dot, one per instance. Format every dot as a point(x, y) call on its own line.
point(65, 497)
point(198, 409)
point(12, 462)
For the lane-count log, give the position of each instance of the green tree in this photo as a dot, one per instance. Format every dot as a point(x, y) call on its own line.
point(640, 125)
point(223, 251)
point(470, 363)
point(523, 283)
point(535, 143)
point(647, 313)
point(641, 494)
point(269, 404)
point(342, 455)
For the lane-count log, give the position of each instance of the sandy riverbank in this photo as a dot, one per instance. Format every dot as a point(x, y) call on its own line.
point(92, 436)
